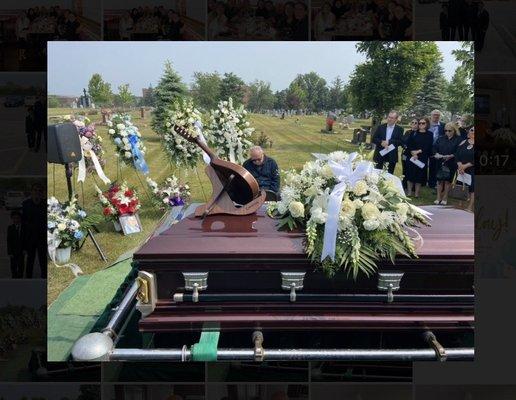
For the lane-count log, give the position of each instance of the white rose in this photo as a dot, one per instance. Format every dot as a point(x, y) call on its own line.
point(358, 203)
point(109, 123)
point(326, 171)
point(128, 154)
point(348, 208)
point(111, 131)
point(370, 211)
point(120, 126)
point(371, 224)
point(360, 188)
point(61, 226)
point(297, 209)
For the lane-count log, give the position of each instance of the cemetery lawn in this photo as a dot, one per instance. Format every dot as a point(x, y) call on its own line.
point(293, 143)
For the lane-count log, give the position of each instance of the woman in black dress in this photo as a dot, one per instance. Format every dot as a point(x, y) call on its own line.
point(419, 147)
point(405, 155)
point(465, 157)
point(443, 151)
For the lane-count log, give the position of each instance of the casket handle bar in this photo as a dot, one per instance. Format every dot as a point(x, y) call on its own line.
point(291, 280)
point(390, 282)
point(259, 353)
point(196, 281)
point(431, 339)
point(147, 294)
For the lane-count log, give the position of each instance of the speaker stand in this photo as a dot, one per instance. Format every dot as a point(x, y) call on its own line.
point(69, 174)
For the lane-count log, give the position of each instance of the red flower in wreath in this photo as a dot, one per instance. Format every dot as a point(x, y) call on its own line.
point(107, 211)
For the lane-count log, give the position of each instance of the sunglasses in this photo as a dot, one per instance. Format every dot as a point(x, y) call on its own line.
point(414, 122)
point(422, 123)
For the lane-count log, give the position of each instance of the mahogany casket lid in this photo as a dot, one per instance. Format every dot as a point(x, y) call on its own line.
point(256, 240)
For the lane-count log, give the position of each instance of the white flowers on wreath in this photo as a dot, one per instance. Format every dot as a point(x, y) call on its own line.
point(120, 128)
point(180, 151)
point(229, 132)
point(65, 222)
point(373, 219)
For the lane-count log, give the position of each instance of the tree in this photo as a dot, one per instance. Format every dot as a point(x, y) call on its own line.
point(459, 96)
point(296, 97)
point(206, 89)
point(260, 96)
point(338, 95)
point(125, 96)
point(169, 89)
point(280, 99)
point(432, 94)
point(466, 56)
point(391, 75)
point(315, 90)
point(99, 90)
point(232, 86)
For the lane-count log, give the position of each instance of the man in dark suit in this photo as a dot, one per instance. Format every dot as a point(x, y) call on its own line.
point(15, 245)
point(386, 135)
point(437, 129)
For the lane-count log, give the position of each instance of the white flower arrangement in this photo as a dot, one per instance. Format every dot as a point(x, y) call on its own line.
point(180, 151)
point(65, 222)
point(229, 132)
point(372, 216)
point(122, 131)
point(170, 193)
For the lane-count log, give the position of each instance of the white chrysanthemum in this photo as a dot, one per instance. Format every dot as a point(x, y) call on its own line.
point(360, 188)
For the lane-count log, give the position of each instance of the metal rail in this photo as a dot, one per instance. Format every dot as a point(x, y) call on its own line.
point(184, 354)
point(321, 297)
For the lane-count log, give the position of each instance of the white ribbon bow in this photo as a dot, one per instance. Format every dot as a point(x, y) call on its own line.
point(347, 177)
point(86, 148)
point(53, 242)
point(198, 126)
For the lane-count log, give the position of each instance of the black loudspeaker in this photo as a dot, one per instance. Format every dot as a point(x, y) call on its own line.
point(63, 145)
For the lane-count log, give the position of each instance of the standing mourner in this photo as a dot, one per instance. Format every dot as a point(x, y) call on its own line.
point(443, 151)
point(405, 155)
point(40, 125)
point(437, 129)
point(264, 169)
point(387, 138)
point(30, 128)
point(465, 157)
point(15, 245)
point(34, 214)
point(419, 146)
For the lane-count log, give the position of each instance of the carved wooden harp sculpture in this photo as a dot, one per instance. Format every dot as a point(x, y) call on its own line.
point(234, 189)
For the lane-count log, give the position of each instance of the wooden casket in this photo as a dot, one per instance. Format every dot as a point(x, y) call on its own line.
point(241, 273)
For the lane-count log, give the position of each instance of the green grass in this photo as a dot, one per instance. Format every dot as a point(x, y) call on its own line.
point(293, 144)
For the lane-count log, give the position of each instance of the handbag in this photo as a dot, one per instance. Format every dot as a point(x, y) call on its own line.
point(443, 173)
point(458, 191)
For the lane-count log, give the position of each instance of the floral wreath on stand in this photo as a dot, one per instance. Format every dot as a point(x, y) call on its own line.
point(118, 200)
point(229, 132)
point(180, 151)
point(127, 139)
point(353, 214)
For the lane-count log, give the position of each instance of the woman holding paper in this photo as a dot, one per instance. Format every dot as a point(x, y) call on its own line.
point(444, 150)
point(465, 157)
point(419, 147)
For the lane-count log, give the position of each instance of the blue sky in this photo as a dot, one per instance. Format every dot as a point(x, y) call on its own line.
point(71, 64)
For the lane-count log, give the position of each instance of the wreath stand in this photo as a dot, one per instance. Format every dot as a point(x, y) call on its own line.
point(220, 202)
point(69, 173)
